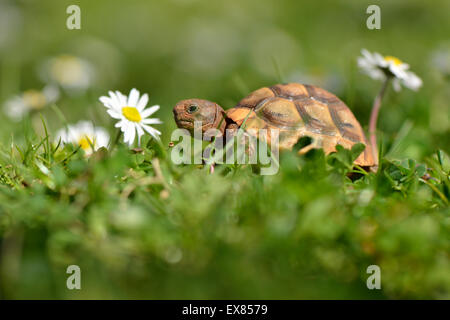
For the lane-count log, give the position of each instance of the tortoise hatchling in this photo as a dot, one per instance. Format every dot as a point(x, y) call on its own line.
point(296, 110)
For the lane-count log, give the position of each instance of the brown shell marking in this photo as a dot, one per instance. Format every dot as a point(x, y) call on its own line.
point(303, 110)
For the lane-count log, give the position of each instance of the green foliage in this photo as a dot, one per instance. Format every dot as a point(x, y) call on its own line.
point(140, 227)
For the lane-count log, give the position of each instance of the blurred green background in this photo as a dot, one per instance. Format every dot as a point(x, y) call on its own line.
point(221, 51)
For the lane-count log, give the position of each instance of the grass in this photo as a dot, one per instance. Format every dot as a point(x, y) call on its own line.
point(140, 227)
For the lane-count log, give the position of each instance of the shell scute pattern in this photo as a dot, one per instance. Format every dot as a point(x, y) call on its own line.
point(301, 110)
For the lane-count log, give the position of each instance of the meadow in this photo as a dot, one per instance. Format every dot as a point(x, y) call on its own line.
point(139, 226)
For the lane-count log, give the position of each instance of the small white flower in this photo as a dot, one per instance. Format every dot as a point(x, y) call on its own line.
point(30, 100)
point(132, 115)
point(70, 72)
point(379, 67)
point(85, 135)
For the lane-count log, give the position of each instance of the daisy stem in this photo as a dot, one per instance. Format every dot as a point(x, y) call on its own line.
point(374, 116)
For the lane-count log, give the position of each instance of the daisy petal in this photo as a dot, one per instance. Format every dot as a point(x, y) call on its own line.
point(412, 81)
point(152, 131)
point(126, 134)
point(148, 112)
point(133, 98)
point(106, 101)
point(114, 114)
point(132, 135)
point(142, 102)
point(114, 98)
point(396, 84)
point(140, 132)
point(368, 56)
point(151, 121)
point(121, 98)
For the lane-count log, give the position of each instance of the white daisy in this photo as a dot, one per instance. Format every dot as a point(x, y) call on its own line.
point(70, 72)
point(30, 100)
point(132, 115)
point(379, 67)
point(85, 135)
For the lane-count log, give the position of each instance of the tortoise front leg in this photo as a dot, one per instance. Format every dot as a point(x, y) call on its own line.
point(230, 133)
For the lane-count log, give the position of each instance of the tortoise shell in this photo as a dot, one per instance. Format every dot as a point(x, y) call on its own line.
point(299, 110)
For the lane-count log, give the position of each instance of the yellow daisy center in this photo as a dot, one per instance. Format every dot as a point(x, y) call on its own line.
point(67, 69)
point(35, 99)
point(394, 60)
point(132, 114)
point(85, 143)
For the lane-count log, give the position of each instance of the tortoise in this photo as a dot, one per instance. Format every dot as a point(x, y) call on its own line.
point(297, 110)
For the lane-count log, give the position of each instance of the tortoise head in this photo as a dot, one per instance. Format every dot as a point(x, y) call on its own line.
point(208, 113)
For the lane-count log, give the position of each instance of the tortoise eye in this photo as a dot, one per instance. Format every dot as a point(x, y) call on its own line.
point(192, 108)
